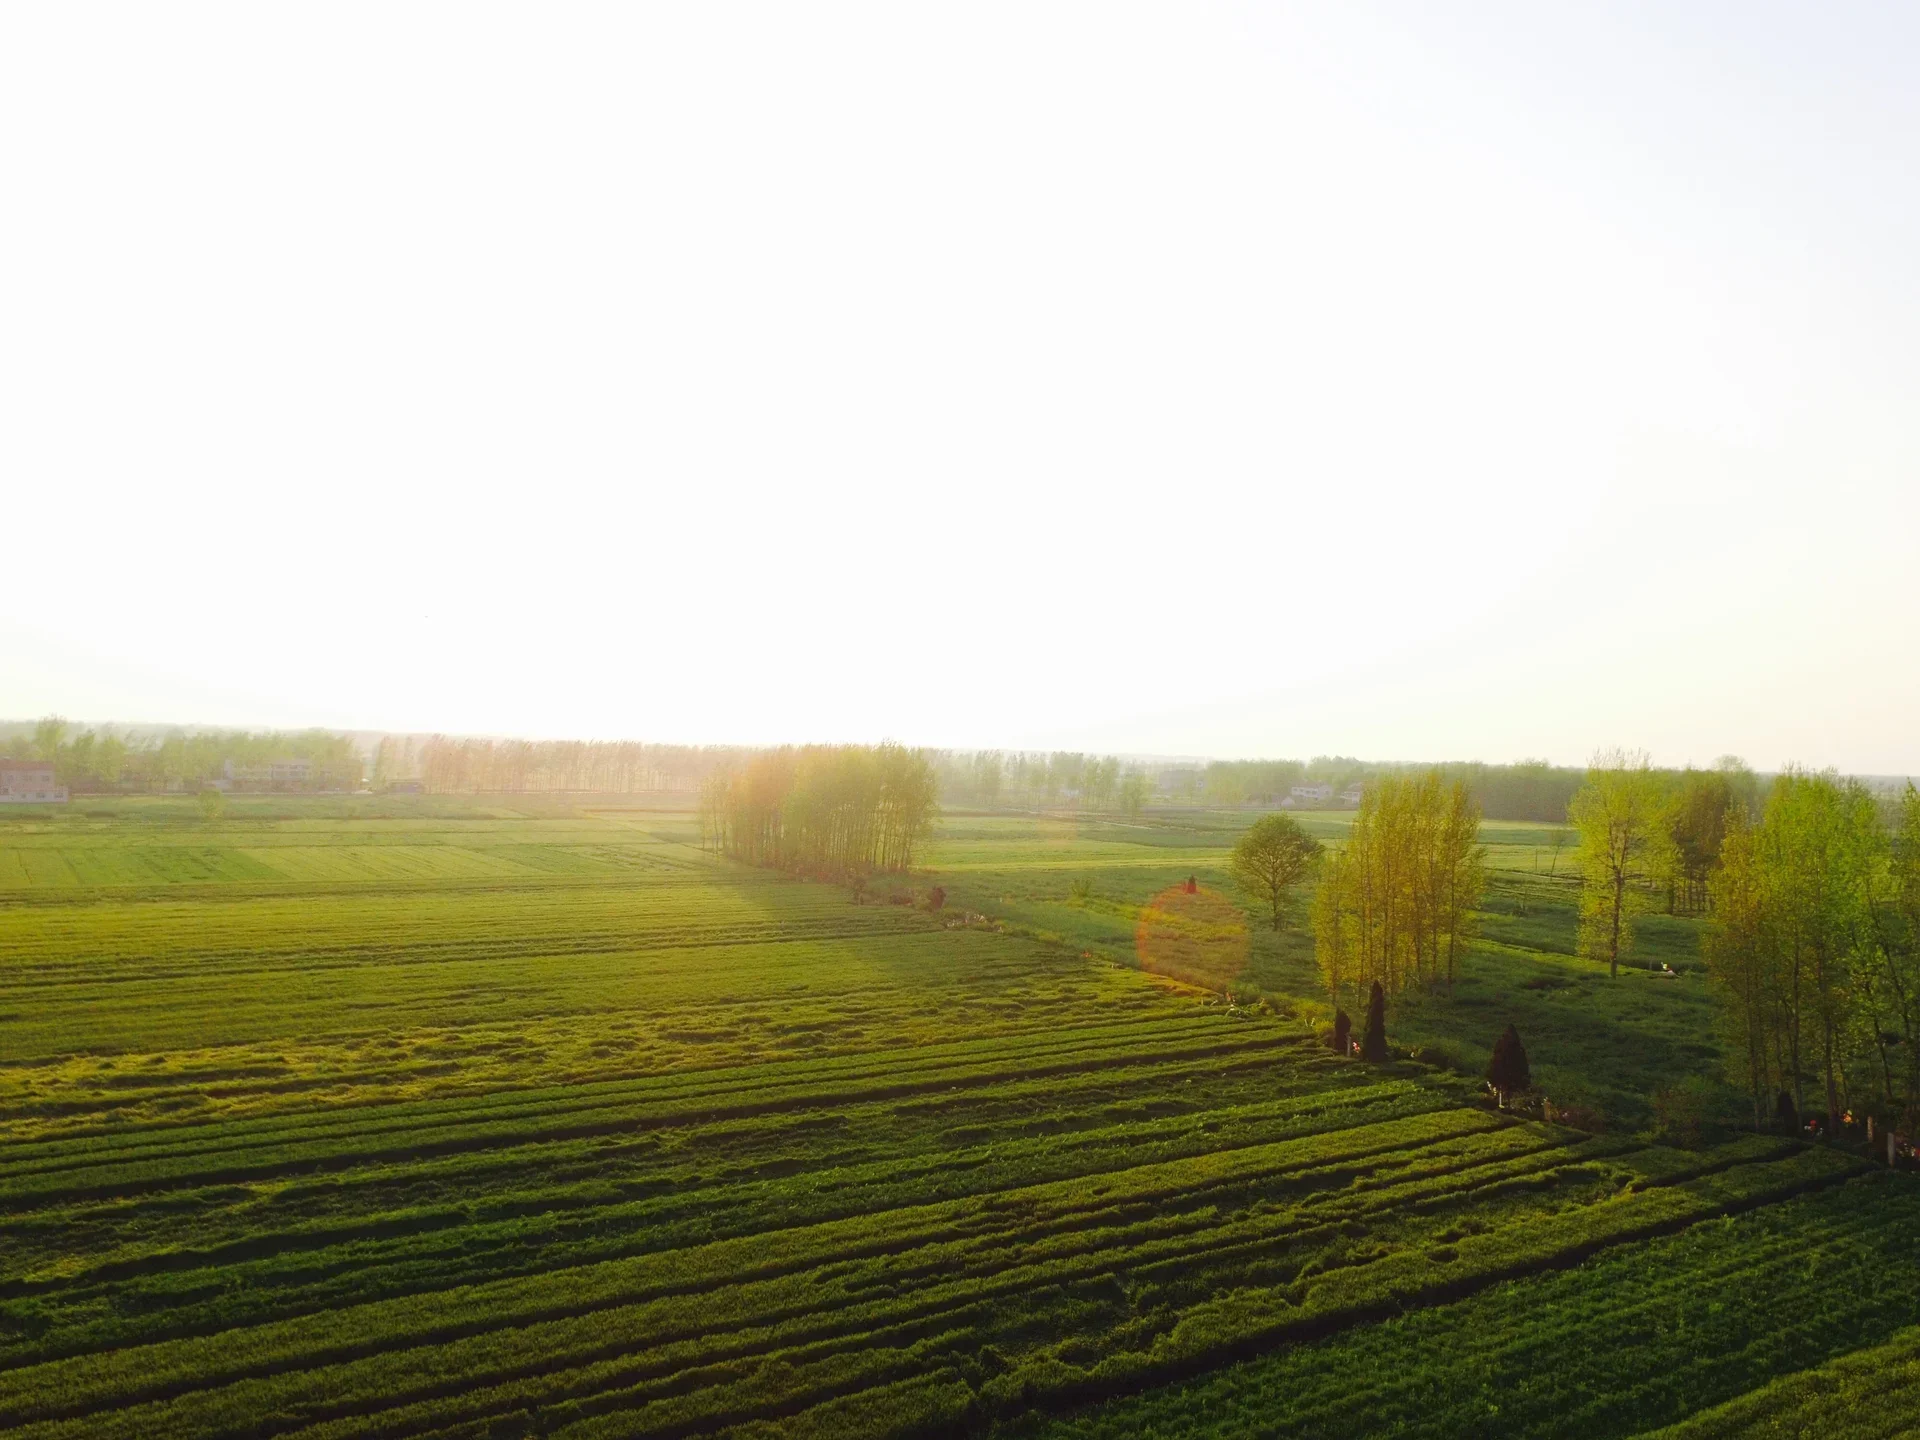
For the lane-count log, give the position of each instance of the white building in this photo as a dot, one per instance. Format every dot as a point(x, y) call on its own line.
point(29, 782)
point(1312, 794)
point(273, 773)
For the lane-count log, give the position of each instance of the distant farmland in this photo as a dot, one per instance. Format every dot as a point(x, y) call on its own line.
point(426, 1118)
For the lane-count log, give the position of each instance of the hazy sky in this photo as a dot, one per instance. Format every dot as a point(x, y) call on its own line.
point(1409, 381)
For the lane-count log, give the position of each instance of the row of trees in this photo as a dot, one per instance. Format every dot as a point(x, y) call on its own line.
point(1648, 836)
point(1528, 790)
point(1001, 777)
point(1395, 904)
point(450, 766)
point(835, 810)
point(1815, 944)
point(106, 759)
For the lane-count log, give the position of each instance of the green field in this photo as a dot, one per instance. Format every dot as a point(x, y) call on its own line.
point(419, 1118)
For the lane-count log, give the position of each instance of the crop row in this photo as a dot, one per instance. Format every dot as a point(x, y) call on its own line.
point(760, 1275)
point(1636, 1337)
point(901, 988)
point(685, 1331)
point(652, 1100)
point(254, 929)
point(1871, 1394)
point(568, 1205)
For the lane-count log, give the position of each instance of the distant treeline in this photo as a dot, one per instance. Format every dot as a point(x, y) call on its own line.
point(835, 810)
point(109, 759)
point(1527, 790)
point(448, 766)
point(1033, 778)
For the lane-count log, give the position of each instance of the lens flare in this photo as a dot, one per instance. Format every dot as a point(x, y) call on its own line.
point(1197, 935)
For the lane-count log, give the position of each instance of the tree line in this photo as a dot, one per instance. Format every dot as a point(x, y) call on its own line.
point(1032, 779)
point(445, 765)
point(831, 810)
point(1815, 946)
point(1395, 903)
point(1526, 790)
point(107, 759)
point(1651, 839)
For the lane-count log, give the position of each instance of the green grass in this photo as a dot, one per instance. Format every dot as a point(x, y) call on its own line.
point(1593, 1041)
point(343, 1118)
point(1633, 1339)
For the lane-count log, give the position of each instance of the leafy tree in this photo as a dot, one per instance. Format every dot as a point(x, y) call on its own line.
point(47, 736)
point(1270, 859)
point(1396, 903)
point(1806, 948)
point(1896, 949)
point(1373, 1044)
point(1820, 844)
point(1508, 1072)
point(1739, 964)
point(1617, 813)
point(212, 804)
point(1698, 813)
point(1342, 1039)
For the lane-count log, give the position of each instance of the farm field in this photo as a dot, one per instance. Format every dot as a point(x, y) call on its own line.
point(414, 1118)
point(1593, 1042)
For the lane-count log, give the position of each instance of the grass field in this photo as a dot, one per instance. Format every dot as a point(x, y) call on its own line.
point(415, 1118)
point(1594, 1042)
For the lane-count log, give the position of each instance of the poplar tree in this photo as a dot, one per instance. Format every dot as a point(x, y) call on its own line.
point(1617, 813)
point(1396, 903)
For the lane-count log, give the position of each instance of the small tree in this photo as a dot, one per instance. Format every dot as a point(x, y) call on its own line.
point(1373, 1045)
point(1271, 859)
point(212, 804)
point(936, 898)
point(1508, 1072)
point(1342, 1038)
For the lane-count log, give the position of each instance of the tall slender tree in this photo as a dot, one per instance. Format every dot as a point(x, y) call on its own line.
point(1617, 813)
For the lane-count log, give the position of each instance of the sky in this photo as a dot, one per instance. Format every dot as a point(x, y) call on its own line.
point(1407, 381)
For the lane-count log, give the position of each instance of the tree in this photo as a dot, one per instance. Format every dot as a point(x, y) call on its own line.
point(1459, 873)
point(1396, 902)
point(1270, 859)
point(212, 804)
point(1617, 813)
point(47, 736)
point(1739, 962)
point(1820, 839)
point(1806, 948)
point(1508, 1072)
point(1373, 1044)
point(1697, 818)
point(1896, 948)
point(1342, 1038)
point(1134, 789)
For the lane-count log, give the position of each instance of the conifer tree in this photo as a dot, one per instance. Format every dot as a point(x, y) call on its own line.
point(1342, 1039)
point(1508, 1072)
point(1373, 1045)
